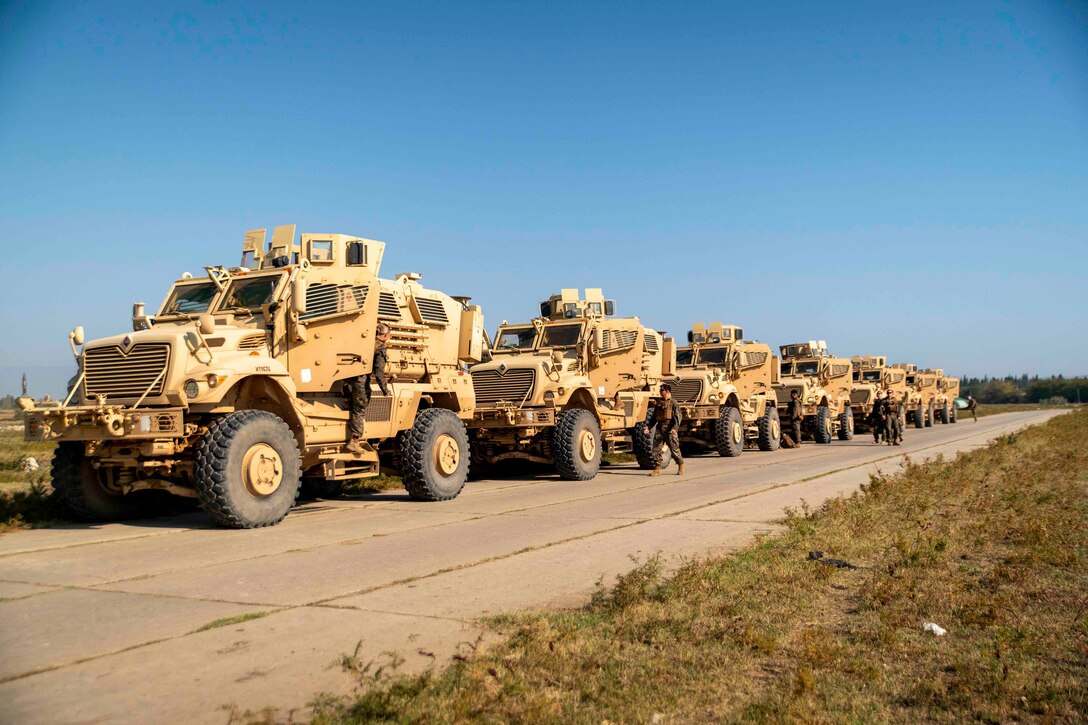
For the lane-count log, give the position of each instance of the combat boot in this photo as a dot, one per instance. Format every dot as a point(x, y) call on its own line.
point(355, 445)
point(680, 470)
point(655, 472)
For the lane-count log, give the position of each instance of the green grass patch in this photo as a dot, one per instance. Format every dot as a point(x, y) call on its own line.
point(990, 546)
point(228, 621)
point(985, 409)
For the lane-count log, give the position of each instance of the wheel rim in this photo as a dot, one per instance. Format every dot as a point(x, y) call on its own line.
point(827, 425)
point(776, 430)
point(447, 455)
point(587, 445)
point(262, 470)
point(738, 432)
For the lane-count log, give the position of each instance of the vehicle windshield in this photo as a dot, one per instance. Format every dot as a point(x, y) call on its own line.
point(910, 380)
point(713, 356)
point(515, 338)
point(808, 367)
point(190, 299)
point(250, 293)
point(561, 335)
point(785, 368)
point(871, 376)
point(685, 357)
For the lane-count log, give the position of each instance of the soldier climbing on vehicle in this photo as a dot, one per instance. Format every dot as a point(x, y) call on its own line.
point(664, 417)
point(360, 389)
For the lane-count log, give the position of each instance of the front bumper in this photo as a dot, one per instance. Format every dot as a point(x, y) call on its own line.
point(512, 417)
point(108, 422)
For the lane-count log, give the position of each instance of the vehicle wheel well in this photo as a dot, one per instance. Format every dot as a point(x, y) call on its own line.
point(582, 398)
point(260, 392)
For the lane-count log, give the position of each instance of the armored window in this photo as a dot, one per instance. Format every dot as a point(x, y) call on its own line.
point(808, 367)
point(321, 250)
point(713, 356)
point(193, 299)
point(515, 338)
point(249, 294)
point(356, 253)
point(684, 357)
point(740, 334)
point(561, 335)
point(870, 376)
point(786, 368)
point(249, 258)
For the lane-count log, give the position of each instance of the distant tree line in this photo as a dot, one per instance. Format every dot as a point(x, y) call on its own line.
point(1026, 389)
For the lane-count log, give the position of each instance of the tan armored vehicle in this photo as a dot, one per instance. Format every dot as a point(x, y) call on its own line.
point(556, 386)
point(944, 402)
point(823, 384)
point(921, 394)
point(725, 389)
point(871, 374)
point(231, 392)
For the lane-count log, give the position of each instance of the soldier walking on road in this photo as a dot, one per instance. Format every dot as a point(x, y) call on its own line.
point(664, 417)
point(972, 406)
point(795, 414)
point(893, 432)
point(360, 389)
point(877, 419)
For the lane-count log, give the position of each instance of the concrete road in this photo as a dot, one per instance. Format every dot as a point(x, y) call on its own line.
point(104, 623)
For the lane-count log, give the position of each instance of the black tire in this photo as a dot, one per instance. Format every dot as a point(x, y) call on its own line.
point(770, 430)
point(317, 487)
point(942, 414)
point(577, 445)
point(919, 417)
point(822, 432)
point(929, 416)
point(234, 488)
point(846, 424)
point(729, 432)
point(642, 444)
point(434, 456)
point(82, 494)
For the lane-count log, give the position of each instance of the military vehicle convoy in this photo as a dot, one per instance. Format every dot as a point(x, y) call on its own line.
point(823, 384)
point(724, 387)
point(871, 375)
point(556, 387)
point(231, 392)
point(921, 394)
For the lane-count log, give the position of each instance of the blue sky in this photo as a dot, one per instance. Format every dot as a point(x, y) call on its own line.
point(903, 179)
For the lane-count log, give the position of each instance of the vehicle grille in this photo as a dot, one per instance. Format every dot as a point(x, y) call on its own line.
point(111, 373)
point(860, 396)
point(432, 311)
point(687, 391)
point(388, 307)
point(515, 386)
point(783, 393)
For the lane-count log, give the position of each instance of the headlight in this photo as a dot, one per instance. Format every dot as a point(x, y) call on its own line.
point(713, 398)
point(549, 397)
point(192, 388)
point(810, 400)
point(214, 380)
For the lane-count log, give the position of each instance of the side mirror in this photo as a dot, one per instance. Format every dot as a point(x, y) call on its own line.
point(298, 296)
point(77, 335)
point(598, 339)
point(206, 324)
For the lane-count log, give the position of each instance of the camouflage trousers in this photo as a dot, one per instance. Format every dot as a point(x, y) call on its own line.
point(671, 441)
point(795, 430)
point(360, 398)
point(879, 424)
point(892, 431)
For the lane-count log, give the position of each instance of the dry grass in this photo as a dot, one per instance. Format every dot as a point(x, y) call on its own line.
point(990, 546)
point(26, 498)
point(985, 409)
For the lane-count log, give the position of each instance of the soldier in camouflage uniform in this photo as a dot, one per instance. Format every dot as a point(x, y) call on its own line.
point(877, 419)
point(360, 389)
point(893, 432)
point(665, 418)
point(795, 415)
